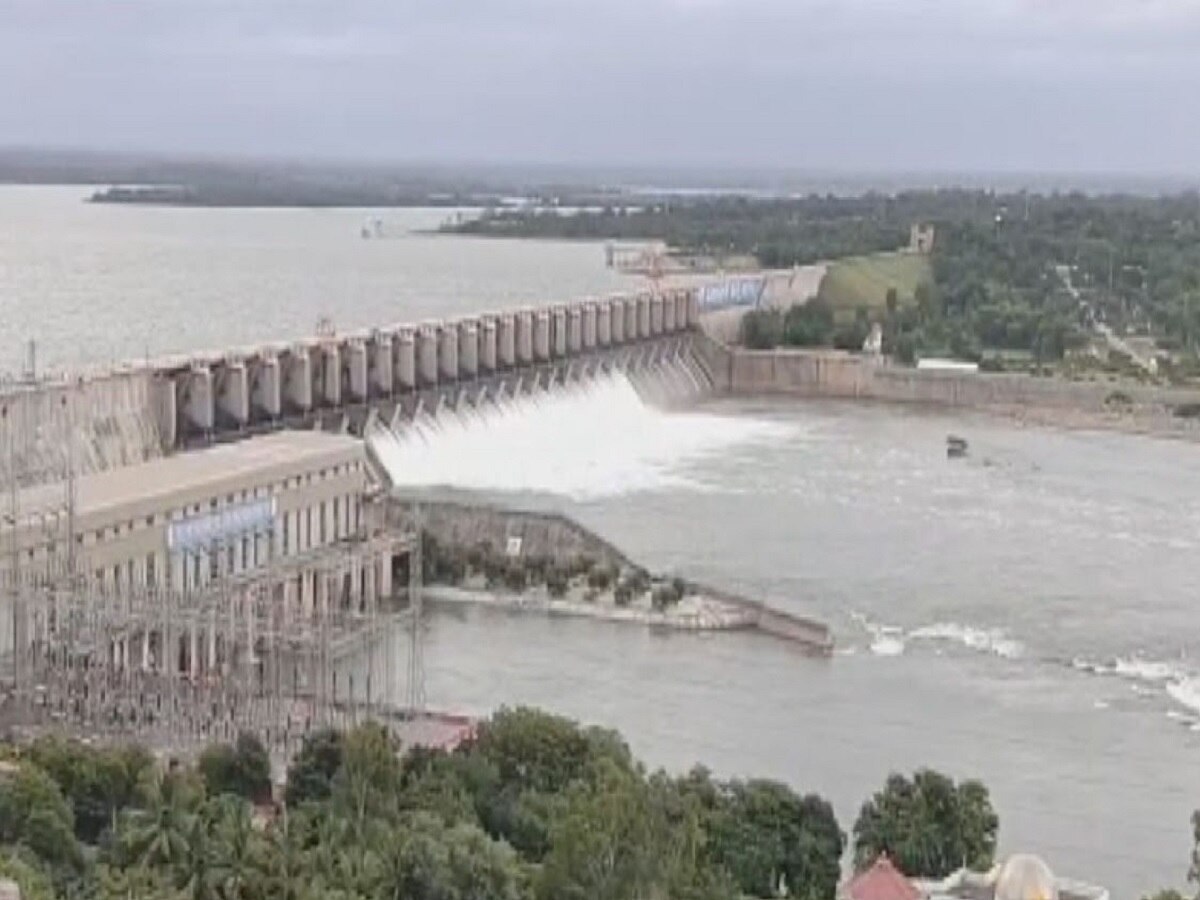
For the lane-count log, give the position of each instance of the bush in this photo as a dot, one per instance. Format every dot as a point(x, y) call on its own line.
point(623, 594)
point(761, 329)
point(602, 576)
point(243, 769)
point(557, 582)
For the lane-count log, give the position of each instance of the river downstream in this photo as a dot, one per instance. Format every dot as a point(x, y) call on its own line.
point(1025, 616)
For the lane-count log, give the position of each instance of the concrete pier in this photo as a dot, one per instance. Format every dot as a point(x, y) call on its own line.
point(468, 350)
point(405, 347)
point(382, 373)
point(603, 323)
point(427, 355)
point(448, 352)
point(265, 389)
point(506, 341)
point(233, 393)
point(541, 336)
point(487, 345)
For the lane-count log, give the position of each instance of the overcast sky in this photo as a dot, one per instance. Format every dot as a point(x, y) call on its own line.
point(1061, 85)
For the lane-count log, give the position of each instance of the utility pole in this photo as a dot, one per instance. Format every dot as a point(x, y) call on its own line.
point(416, 660)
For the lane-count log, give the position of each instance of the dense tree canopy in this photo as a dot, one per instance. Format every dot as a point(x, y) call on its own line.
point(929, 826)
point(534, 807)
point(1014, 275)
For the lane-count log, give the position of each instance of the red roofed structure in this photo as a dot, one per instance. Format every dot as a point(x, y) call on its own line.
point(882, 881)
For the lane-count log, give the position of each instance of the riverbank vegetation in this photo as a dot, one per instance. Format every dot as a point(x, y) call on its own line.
point(486, 566)
point(1016, 280)
point(531, 807)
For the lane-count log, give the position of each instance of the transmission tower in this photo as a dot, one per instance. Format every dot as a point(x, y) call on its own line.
point(416, 650)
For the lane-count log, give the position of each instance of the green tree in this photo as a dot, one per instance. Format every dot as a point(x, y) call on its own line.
point(243, 769)
point(604, 842)
point(367, 785)
point(155, 834)
point(427, 860)
point(310, 776)
point(236, 847)
point(767, 836)
point(929, 826)
point(33, 813)
point(30, 879)
point(97, 782)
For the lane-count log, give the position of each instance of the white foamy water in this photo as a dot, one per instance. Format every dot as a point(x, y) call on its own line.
point(891, 640)
point(592, 439)
point(985, 640)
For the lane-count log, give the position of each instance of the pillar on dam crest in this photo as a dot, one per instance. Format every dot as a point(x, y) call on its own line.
point(604, 323)
point(631, 318)
point(329, 357)
point(681, 310)
point(558, 332)
point(468, 349)
point(506, 340)
point(297, 380)
point(574, 330)
point(588, 315)
point(405, 351)
point(233, 392)
point(541, 335)
point(382, 374)
point(668, 309)
point(427, 355)
point(693, 308)
point(525, 329)
point(487, 345)
point(656, 315)
point(448, 352)
point(354, 359)
point(197, 398)
point(643, 317)
point(266, 398)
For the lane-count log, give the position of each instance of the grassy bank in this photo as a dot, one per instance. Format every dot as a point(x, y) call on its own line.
point(864, 280)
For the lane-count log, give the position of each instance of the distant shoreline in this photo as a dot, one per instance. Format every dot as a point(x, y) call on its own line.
point(183, 196)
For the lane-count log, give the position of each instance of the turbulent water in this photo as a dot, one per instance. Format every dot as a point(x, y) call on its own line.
point(1026, 615)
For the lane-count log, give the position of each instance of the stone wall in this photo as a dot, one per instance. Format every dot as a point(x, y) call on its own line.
point(836, 374)
point(541, 534)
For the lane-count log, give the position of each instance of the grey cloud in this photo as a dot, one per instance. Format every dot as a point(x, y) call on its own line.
point(1068, 84)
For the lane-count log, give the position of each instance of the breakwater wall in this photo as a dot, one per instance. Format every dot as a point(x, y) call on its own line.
point(562, 539)
point(841, 375)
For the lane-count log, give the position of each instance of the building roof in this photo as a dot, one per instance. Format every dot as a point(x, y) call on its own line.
point(883, 881)
point(211, 471)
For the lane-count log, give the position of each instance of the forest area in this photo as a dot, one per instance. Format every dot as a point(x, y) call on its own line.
point(532, 807)
point(997, 287)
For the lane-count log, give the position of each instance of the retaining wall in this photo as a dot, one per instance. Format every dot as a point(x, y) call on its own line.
point(563, 539)
point(835, 374)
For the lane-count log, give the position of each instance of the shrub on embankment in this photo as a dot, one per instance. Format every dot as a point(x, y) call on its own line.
point(456, 565)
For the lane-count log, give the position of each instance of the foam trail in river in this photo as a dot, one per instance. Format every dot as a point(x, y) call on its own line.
point(597, 437)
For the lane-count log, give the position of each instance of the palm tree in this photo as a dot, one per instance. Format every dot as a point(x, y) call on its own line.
point(283, 871)
point(156, 835)
point(233, 846)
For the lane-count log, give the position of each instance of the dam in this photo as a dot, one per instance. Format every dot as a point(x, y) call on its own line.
point(336, 382)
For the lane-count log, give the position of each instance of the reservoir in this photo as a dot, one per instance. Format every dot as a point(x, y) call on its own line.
point(1025, 616)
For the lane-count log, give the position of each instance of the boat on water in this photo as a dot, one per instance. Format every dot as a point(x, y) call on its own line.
point(956, 447)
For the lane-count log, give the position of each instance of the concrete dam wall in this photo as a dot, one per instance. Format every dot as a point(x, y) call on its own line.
point(338, 382)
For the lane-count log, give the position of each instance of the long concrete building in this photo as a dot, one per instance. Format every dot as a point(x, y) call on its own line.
point(202, 592)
